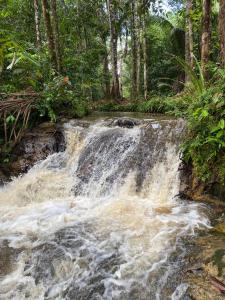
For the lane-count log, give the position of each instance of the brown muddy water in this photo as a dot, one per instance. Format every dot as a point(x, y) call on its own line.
point(102, 220)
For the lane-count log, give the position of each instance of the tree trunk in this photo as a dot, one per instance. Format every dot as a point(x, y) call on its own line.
point(114, 55)
point(189, 55)
point(145, 61)
point(222, 32)
point(56, 34)
point(121, 66)
point(37, 24)
point(134, 50)
point(49, 32)
point(138, 27)
point(206, 34)
point(106, 75)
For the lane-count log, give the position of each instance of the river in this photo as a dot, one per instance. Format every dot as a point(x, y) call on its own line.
point(102, 220)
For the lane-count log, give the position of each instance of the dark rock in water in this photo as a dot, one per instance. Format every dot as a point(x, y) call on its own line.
point(3, 177)
point(111, 154)
point(35, 145)
point(125, 122)
point(7, 257)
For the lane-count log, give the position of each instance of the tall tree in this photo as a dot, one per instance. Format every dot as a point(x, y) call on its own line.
point(106, 74)
point(49, 32)
point(55, 28)
point(134, 46)
point(37, 23)
point(144, 13)
point(189, 44)
point(145, 59)
point(138, 28)
point(206, 34)
point(113, 47)
point(222, 32)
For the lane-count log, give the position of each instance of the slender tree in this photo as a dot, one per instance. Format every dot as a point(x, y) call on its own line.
point(106, 74)
point(144, 13)
point(145, 59)
point(37, 23)
point(134, 44)
point(206, 34)
point(138, 28)
point(222, 32)
point(189, 44)
point(114, 52)
point(49, 32)
point(55, 28)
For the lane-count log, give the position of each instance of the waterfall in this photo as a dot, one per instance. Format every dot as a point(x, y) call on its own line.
point(102, 220)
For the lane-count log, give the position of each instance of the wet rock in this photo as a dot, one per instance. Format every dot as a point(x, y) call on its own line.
point(193, 187)
point(125, 122)
point(36, 145)
point(220, 228)
point(7, 258)
point(217, 190)
point(3, 177)
point(207, 271)
point(116, 152)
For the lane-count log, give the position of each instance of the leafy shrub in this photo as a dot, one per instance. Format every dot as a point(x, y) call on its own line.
point(59, 98)
point(174, 106)
point(205, 142)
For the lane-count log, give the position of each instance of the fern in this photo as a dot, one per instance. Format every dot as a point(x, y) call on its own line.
point(197, 82)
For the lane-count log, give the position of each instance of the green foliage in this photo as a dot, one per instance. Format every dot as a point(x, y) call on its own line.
point(170, 105)
point(205, 142)
point(196, 82)
point(59, 98)
point(163, 42)
point(20, 68)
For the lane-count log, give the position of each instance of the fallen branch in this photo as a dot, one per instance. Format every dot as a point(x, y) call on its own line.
point(19, 105)
point(218, 284)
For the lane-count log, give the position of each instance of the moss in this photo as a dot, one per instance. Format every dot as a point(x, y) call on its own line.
point(217, 259)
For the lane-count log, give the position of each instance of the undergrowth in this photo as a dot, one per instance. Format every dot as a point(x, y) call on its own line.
point(174, 106)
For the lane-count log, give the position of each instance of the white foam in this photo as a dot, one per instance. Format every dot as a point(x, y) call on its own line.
point(144, 227)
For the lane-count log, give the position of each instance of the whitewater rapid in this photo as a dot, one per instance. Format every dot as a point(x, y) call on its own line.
point(102, 220)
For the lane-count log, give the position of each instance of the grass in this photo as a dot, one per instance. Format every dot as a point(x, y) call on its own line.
point(164, 105)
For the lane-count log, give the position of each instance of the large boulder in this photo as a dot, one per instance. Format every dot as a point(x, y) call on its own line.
point(36, 145)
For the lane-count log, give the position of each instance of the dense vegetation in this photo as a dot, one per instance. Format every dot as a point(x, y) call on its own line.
point(62, 57)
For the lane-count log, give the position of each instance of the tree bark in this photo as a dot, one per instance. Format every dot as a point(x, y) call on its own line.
point(49, 32)
point(106, 75)
point(145, 60)
point(206, 34)
point(134, 49)
point(222, 32)
point(189, 55)
point(37, 24)
point(55, 27)
point(114, 54)
point(138, 28)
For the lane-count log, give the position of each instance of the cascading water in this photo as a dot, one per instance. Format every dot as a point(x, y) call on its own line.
point(101, 220)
